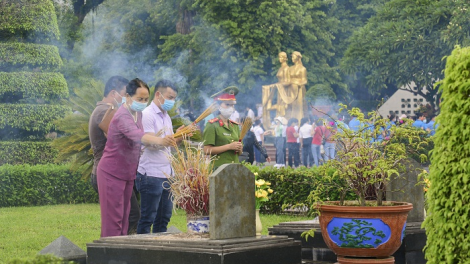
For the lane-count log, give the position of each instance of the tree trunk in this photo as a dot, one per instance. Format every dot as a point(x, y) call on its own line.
point(80, 9)
point(183, 26)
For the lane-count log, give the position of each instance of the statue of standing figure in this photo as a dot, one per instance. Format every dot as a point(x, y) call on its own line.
point(290, 90)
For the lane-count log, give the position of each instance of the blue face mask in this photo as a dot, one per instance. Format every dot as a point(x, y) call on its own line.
point(167, 104)
point(123, 100)
point(138, 107)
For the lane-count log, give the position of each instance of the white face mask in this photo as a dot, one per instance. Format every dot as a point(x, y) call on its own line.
point(226, 112)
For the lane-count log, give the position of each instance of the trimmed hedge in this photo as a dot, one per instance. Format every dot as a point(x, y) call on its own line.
point(26, 185)
point(30, 117)
point(291, 187)
point(29, 55)
point(24, 152)
point(47, 85)
point(20, 16)
point(447, 224)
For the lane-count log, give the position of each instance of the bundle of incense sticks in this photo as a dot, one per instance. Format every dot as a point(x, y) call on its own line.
point(192, 128)
point(245, 127)
point(211, 109)
point(185, 131)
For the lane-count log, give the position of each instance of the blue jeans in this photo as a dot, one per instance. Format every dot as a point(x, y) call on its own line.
point(330, 151)
point(316, 154)
point(155, 203)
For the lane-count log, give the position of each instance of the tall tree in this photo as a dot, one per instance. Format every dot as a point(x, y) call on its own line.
point(352, 15)
point(403, 45)
point(237, 42)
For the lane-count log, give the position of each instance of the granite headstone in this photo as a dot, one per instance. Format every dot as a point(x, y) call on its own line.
point(232, 202)
point(405, 189)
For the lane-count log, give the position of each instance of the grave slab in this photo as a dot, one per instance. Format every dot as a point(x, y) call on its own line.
point(163, 249)
point(232, 202)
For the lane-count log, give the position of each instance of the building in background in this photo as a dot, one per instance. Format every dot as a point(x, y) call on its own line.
point(402, 102)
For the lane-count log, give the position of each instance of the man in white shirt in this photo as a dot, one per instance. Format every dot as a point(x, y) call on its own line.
point(305, 137)
point(154, 166)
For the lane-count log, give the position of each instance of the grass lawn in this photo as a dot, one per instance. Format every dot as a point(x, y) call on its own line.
point(24, 231)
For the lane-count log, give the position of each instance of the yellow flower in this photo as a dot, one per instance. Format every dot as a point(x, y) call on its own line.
point(268, 183)
point(264, 193)
point(261, 194)
point(270, 190)
point(260, 182)
point(256, 174)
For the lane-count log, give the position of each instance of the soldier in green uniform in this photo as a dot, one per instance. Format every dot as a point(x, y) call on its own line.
point(221, 135)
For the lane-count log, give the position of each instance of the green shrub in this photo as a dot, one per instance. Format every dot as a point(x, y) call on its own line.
point(26, 152)
point(19, 56)
point(292, 187)
point(447, 223)
point(28, 16)
point(46, 86)
point(26, 185)
point(31, 117)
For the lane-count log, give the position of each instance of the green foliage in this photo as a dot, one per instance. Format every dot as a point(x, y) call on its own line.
point(31, 117)
point(403, 45)
point(41, 259)
point(364, 161)
point(26, 185)
point(26, 152)
point(75, 144)
point(239, 41)
point(18, 85)
point(292, 187)
point(19, 56)
point(447, 223)
point(27, 18)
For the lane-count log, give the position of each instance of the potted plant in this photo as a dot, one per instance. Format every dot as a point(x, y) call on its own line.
point(190, 184)
point(262, 191)
point(366, 161)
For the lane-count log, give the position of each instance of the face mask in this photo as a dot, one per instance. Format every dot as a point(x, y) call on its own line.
point(226, 112)
point(123, 100)
point(138, 107)
point(167, 104)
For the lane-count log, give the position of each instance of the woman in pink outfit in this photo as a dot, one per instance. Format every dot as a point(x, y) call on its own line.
point(117, 168)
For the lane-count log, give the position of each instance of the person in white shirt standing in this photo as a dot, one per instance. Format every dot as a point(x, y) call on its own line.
point(305, 136)
point(279, 133)
point(259, 134)
point(154, 167)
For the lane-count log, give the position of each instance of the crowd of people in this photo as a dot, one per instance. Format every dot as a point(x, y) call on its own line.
point(312, 142)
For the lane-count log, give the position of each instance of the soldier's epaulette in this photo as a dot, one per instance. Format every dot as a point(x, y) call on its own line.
point(213, 120)
point(231, 121)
